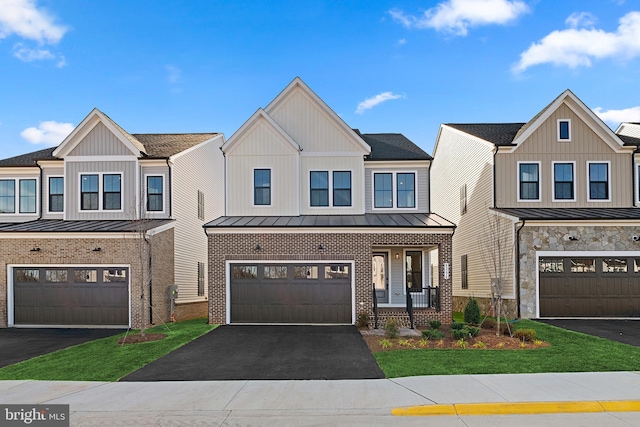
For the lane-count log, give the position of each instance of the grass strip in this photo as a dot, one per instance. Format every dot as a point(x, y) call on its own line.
point(105, 359)
point(569, 352)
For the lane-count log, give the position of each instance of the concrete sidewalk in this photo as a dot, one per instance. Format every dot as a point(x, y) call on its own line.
point(339, 402)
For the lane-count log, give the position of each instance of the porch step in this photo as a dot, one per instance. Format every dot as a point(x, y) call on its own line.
point(404, 332)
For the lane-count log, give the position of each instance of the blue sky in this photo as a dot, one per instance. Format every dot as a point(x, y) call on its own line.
point(383, 66)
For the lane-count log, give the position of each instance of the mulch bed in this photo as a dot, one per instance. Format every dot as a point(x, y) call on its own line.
point(138, 338)
point(487, 340)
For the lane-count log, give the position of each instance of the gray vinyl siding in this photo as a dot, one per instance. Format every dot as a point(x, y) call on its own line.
point(128, 188)
point(100, 141)
point(166, 203)
point(200, 169)
point(422, 187)
point(463, 160)
point(397, 295)
point(46, 173)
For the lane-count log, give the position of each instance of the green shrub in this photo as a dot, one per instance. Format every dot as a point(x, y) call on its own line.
point(435, 324)
point(460, 334)
point(505, 329)
point(363, 320)
point(433, 334)
point(489, 323)
point(391, 329)
point(472, 312)
point(473, 331)
point(526, 335)
point(457, 325)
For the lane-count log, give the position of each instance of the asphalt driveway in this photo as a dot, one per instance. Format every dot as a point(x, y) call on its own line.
point(624, 331)
point(18, 344)
point(269, 352)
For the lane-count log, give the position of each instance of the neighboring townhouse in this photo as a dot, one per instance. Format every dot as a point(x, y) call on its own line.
point(562, 190)
point(94, 231)
point(319, 215)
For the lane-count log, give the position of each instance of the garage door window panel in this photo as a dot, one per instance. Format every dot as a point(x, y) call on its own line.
point(56, 276)
point(614, 265)
point(336, 272)
point(114, 275)
point(85, 276)
point(275, 272)
point(27, 275)
point(636, 265)
point(583, 265)
point(551, 265)
point(305, 272)
point(245, 271)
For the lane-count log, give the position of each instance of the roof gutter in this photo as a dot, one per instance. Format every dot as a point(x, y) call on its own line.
point(495, 153)
point(517, 263)
point(168, 160)
point(41, 195)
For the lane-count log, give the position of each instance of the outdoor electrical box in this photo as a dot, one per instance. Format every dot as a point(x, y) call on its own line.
point(173, 292)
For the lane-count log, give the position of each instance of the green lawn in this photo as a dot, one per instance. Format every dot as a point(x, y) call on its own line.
point(104, 359)
point(569, 352)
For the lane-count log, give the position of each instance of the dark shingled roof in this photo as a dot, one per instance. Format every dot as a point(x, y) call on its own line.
point(392, 146)
point(573, 214)
point(413, 220)
point(630, 141)
point(501, 134)
point(82, 226)
point(29, 158)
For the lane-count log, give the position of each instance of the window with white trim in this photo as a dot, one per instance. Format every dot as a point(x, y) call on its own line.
point(262, 187)
point(101, 191)
point(56, 194)
point(564, 130)
point(155, 193)
point(22, 192)
point(529, 181)
point(598, 176)
point(112, 192)
point(321, 181)
point(563, 181)
point(394, 190)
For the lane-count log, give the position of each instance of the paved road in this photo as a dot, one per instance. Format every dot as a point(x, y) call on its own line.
point(625, 331)
point(18, 344)
point(340, 402)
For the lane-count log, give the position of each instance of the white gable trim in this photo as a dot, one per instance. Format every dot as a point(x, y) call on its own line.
point(260, 115)
point(83, 129)
point(298, 83)
point(584, 113)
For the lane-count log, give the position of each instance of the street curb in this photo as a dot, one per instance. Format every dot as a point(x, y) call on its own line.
point(519, 408)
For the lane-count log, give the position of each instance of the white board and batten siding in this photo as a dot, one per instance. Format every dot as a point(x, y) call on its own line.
point(100, 141)
point(421, 185)
point(460, 160)
point(196, 169)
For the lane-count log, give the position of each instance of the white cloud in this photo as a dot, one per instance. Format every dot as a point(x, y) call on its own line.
point(619, 116)
point(47, 133)
point(27, 54)
point(174, 74)
point(575, 47)
point(580, 19)
point(457, 16)
point(24, 19)
point(369, 103)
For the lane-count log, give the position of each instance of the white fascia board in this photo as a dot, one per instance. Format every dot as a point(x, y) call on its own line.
point(512, 218)
point(160, 229)
point(56, 235)
point(153, 162)
point(396, 164)
point(254, 120)
point(51, 163)
point(20, 170)
point(318, 230)
point(331, 154)
point(218, 138)
point(583, 222)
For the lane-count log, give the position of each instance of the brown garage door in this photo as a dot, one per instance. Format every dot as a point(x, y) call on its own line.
point(61, 296)
point(584, 286)
point(291, 293)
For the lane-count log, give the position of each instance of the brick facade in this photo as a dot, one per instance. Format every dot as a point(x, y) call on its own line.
point(79, 251)
point(356, 247)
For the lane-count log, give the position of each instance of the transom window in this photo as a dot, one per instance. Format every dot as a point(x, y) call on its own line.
point(155, 199)
point(321, 181)
point(598, 181)
point(56, 194)
point(564, 130)
point(529, 176)
point(563, 181)
point(24, 189)
point(384, 184)
point(262, 187)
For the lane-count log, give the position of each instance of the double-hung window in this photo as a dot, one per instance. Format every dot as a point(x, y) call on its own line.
point(529, 181)
point(155, 196)
point(262, 187)
point(598, 181)
point(101, 191)
point(563, 181)
point(321, 181)
point(89, 192)
point(56, 194)
point(24, 189)
point(394, 190)
point(112, 194)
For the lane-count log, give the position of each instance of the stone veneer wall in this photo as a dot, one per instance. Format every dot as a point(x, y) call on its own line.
point(556, 238)
point(303, 246)
point(116, 251)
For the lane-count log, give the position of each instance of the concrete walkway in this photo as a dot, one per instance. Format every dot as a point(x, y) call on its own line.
point(344, 402)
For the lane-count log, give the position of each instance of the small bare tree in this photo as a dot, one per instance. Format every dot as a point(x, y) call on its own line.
point(496, 252)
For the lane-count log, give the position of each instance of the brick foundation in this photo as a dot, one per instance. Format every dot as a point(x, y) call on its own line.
point(508, 306)
point(191, 310)
point(356, 247)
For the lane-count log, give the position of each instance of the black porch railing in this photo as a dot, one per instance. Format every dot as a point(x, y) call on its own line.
point(428, 297)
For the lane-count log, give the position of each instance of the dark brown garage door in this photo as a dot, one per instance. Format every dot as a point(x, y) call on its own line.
point(79, 296)
point(291, 293)
point(584, 286)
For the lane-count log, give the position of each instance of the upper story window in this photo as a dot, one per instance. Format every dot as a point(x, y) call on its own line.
point(262, 187)
point(564, 130)
point(598, 181)
point(529, 182)
point(563, 181)
point(92, 187)
point(56, 194)
point(319, 188)
point(26, 191)
point(321, 181)
point(155, 196)
point(394, 189)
